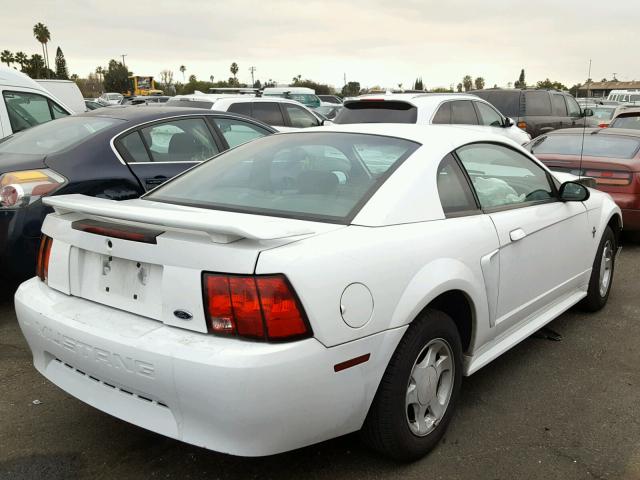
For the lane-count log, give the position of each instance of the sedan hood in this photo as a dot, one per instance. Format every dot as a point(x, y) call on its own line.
point(11, 162)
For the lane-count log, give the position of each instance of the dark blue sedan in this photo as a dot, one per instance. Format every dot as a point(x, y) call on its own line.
point(116, 153)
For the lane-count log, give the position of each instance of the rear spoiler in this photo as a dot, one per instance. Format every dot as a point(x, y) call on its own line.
point(221, 226)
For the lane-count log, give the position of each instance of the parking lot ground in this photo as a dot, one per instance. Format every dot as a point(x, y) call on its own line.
point(544, 410)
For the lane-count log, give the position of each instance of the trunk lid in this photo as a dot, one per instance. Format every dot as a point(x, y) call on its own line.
point(98, 254)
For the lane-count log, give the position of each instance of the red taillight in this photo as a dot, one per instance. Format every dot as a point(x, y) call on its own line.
point(44, 252)
point(261, 307)
point(603, 125)
point(612, 178)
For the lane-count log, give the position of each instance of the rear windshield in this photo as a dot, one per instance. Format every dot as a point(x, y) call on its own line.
point(594, 145)
point(603, 113)
point(183, 102)
point(627, 121)
point(507, 102)
point(324, 176)
point(55, 136)
point(377, 111)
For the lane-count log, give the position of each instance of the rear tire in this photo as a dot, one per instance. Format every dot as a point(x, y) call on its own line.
point(601, 273)
point(418, 392)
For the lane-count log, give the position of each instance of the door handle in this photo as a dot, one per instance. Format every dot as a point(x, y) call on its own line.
point(517, 234)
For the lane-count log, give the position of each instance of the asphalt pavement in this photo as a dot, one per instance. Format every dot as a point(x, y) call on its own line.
point(566, 409)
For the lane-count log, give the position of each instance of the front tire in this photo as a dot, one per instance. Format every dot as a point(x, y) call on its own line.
point(418, 392)
point(601, 273)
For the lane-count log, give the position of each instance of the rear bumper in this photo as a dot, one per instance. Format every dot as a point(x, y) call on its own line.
point(629, 203)
point(232, 396)
point(631, 219)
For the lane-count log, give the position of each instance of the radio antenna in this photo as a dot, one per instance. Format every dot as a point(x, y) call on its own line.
point(584, 121)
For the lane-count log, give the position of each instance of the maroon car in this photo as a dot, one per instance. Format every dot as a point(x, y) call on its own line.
point(609, 155)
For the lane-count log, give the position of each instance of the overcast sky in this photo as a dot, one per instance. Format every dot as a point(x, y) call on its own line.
point(374, 42)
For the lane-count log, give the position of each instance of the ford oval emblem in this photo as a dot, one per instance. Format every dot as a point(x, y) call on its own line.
point(182, 315)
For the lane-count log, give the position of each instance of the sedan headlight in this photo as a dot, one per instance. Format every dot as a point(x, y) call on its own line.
point(22, 188)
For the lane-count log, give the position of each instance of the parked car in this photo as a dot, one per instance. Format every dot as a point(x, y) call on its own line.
point(306, 96)
point(602, 115)
point(429, 108)
point(610, 156)
point(92, 104)
point(111, 98)
point(328, 112)
point(67, 91)
point(281, 113)
point(625, 96)
point(330, 99)
point(536, 111)
point(25, 103)
point(314, 283)
point(147, 100)
point(116, 152)
point(627, 118)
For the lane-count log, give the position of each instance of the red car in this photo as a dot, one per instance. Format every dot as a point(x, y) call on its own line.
point(609, 155)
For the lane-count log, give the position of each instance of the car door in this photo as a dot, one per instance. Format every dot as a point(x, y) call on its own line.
point(575, 118)
point(559, 109)
point(537, 113)
point(159, 151)
point(298, 117)
point(544, 243)
point(25, 109)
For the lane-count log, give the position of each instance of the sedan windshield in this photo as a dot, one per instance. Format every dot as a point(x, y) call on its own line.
point(55, 136)
point(594, 145)
point(314, 176)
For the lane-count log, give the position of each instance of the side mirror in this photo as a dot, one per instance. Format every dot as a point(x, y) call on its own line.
point(587, 112)
point(573, 192)
point(326, 123)
point(508, 122)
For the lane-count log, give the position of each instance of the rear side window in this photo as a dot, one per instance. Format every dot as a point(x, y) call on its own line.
point(269, 113)
point(506, 101)
point(187, 140)
point(443, 115)
point(243, 108)
point(237, 132)
point(377, 111)
point(559, 108)
point(455, 195)
point(463, 113)
point(27, 110)
point(537, 102)
point(132, 148)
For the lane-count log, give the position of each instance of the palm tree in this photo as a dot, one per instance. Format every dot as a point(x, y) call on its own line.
point(21, 59)
point(7, 57)
point(183, 69)
point(211, 78)
point(99, 72)
point(42, 34)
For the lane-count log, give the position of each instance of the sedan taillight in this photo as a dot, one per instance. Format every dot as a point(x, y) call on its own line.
point(611, 178)
point(44, 252)
point(260, 307)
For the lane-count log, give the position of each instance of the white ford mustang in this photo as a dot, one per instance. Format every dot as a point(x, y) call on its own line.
point(311, 284)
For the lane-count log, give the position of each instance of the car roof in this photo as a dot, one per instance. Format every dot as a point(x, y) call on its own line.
point(417, 99)
point(420, 133)
point(246, 99)
point(628, 132)
point(626, 110)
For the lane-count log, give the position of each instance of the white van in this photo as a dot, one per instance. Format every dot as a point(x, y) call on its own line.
point(67, 91)
point(306, 96)
point(24, 103)
point(625, 96)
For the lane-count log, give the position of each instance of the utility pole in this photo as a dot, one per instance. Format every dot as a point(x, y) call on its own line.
point(252, 70)
point(344, 76)
point(123, 55)
point(614, 76)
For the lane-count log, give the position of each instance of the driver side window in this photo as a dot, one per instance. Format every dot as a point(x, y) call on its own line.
point(503, 177)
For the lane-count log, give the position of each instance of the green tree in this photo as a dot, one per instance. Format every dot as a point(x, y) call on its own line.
point(479, 83)
point(548, 84)
point(42, 34)
point(574, 90)
point(34, 67)
point(192, 79)
point(441, 90)
point(116, 78)
point(467, 83)
point(234, 70)
point(418, 85)
point(320, 88)
point(182, 70)
point(7, 57)
point(211, 78)
point(351, 89)
point(21, 59)
point(296, 80)
point(100, 72)
point(257, 84)
point(521, 82)
point(459, 87)
point(61, 65)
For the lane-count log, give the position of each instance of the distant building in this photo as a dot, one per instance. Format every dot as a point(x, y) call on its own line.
point(602, 89)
